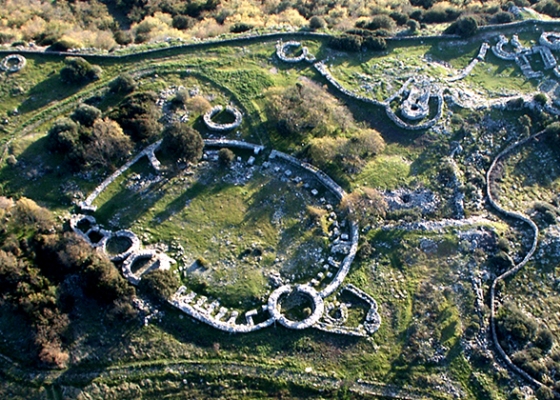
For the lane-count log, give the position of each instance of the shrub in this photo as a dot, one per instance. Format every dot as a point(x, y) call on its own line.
point(375, 43)
point(378, 22)
point(503, 17)
point(417, 15)
point(183, 142)
point(548, 7)
point(123, 38)
point(540, 98)
point(86, 114)
point(138, 115)
point(123, 84)
point(65, 44)
point(104, 283)
point(108, 144)
point(399, 18)
point(413, 25)
point(426, 4)
point(513, 321)
point(441, 15)
point(159, 285)
point(79, 71)
point(366, 205)
point(183, 22)
point(198, 105)
point(180, 98)
point(226, 157)
point(346, 43)
point(544, 339)
point(316, 23)
point(240, 27)
point(63, 136)
point(464, 27)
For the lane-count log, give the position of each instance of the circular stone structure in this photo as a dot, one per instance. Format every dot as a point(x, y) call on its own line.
point(298, 289)
point(122, 234)
point(13, 63)
point(214, 126)
point(318, 306)
point(282, 48)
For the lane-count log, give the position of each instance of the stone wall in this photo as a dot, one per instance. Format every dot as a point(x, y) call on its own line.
point(213, 126)
point(20, 63)
point(535, 231)
point(86, 205)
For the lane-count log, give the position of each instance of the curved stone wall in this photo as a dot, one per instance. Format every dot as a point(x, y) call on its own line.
point(222, 127)
point(20, 62)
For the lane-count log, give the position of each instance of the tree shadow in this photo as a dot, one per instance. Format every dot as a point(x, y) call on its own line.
point(48, 91)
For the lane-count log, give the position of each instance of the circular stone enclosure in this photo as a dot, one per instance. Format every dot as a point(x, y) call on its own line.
point(287, 303)
point(13, 63)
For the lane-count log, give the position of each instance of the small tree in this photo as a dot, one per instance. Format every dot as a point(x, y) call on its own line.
point(160, 285)
point(63, 136)
point(226, 157)
point(123, 84)
point(465, 27)
point(183, 22)
point(541, 99)
point(108, 144)
point(79, 71)
point(413, 25)
point(86, 114)
point(316, 22)
point(182, 141)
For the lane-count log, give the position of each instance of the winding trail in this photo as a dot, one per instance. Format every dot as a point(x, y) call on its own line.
point(516, 268)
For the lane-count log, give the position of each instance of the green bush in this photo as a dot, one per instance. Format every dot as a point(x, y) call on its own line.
point(123, 38)
point(378, 22)
point(86, 114)
point(138, 115)
point(511, 321)
point(375, 43)
point(183, 22)
point(63, 136)
point(316, 23)
point(123, 84)
point(346, 43)
point(503, 17)
point(226, 157)
point(464, 27)
point(182, 142)
point(159, 285)
point(240, 27)
point(399, 17)
point(79, 71)
point(441, 15)
point(548, 7)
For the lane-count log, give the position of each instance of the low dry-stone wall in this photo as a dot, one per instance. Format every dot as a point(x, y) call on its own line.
point(468, 69)
point(86, 205)
point(13, 63)
point(214, 126)
point(256, 148)
point(535, 232)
